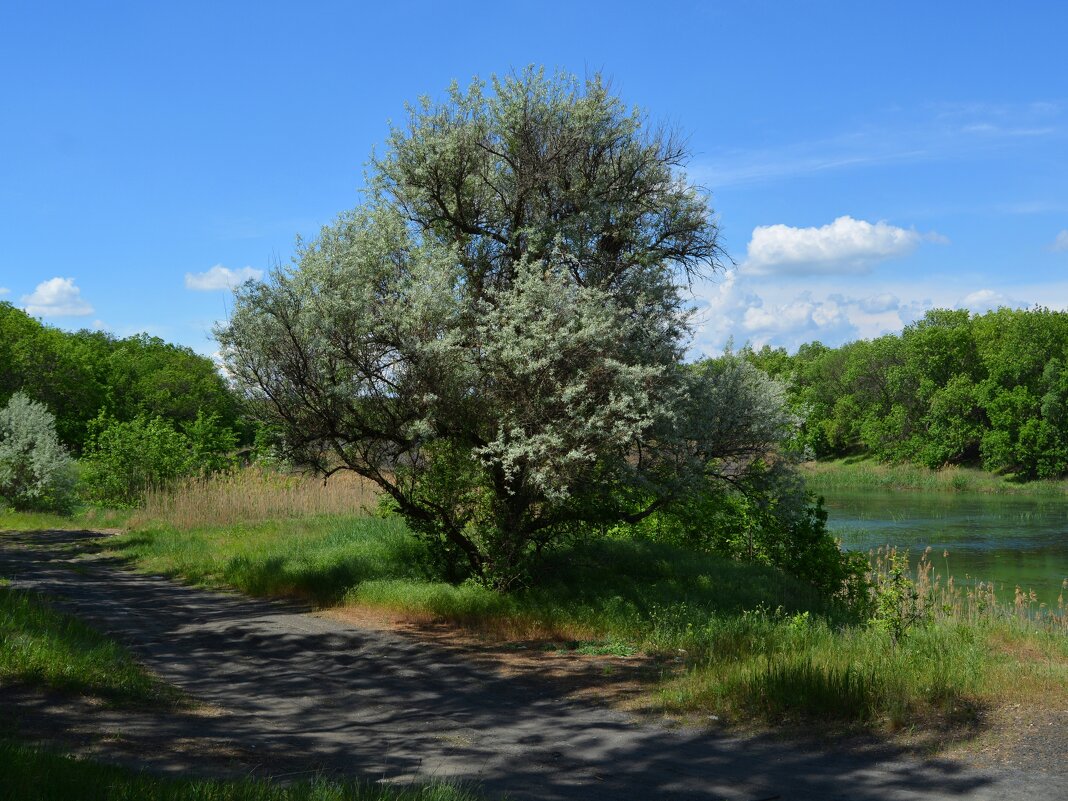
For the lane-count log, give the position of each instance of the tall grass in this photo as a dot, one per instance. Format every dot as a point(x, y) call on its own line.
point(934, 597)
point(43, 647)
point(869, 474)
point(774, 668)
point(32, 774)
point(936, 652)
point(253, 495)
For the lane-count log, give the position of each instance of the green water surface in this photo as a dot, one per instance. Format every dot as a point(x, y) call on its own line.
point(1010, 540)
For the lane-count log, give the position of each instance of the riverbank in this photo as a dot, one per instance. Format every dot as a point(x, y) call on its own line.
point(864, 473)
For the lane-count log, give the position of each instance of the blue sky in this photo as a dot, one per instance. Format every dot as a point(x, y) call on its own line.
point(867, 160)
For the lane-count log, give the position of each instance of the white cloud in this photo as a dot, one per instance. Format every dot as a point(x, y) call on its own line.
point(841, 247)
point(1061, 241)
point(983, 300)
point(789, 313)
point(877, 304)
point(219, 277)
point(56, 297)
point(735, 309)
point(3, 291)
point(799, 319)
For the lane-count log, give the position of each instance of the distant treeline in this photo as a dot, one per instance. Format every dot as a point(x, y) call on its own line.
point(81, 375)
point(989, 389)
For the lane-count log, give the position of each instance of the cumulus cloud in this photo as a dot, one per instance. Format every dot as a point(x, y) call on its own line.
point(219, 277)
point(788, 313)
point(797, 320)
point(983, 300)
point(3, 291)
point(877, 304)
point(56, 297)
point(843, 246)
point(720, 307)
point(1060, 242)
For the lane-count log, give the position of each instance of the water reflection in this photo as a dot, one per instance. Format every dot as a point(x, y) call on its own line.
point(1008, 540)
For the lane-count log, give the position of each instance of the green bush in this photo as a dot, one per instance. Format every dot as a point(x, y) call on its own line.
point(36, 472)
point(771, 524)
point(124, 459)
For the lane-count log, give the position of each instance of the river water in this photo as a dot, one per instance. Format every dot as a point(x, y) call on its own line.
point(1010, 540)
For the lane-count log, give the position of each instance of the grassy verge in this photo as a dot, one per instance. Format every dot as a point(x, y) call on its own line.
point(30, 773)
point(855, 473)
point(742, 642)
point(615, 587)
point(42, 647)
point(86, 518)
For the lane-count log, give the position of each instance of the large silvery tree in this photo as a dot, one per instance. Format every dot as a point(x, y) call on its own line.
point(495, 336)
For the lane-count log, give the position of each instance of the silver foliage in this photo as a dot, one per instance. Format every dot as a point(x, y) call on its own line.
point(36, 472)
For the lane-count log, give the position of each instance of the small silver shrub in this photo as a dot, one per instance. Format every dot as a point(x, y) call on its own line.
point(36, 472)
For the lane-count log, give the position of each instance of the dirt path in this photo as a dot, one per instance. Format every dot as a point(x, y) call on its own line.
point(292, 691)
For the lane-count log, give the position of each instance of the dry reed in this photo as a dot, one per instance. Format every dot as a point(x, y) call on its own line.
point(938, 598)
point(254, 495)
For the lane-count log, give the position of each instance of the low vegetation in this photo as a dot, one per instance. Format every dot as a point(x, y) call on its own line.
point(36, 472)
point(741, 641)
point(43, 647)
point(81, 519)
point(33, 773)
point(124, 460)
point(866, 473)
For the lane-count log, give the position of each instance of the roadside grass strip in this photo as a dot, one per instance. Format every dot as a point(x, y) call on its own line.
point(32, 774)
point(43, 647)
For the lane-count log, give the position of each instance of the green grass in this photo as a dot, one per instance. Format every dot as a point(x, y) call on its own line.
point(864, 473)
point(320, 559)
point(31, 774)
point(42, 647)
point(778, 669)
point(737, 640)
point(85, 518)
point(621, 588)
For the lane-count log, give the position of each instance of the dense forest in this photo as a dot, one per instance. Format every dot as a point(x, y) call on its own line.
point(82, 375)
point(136, 413)
point(952, 388)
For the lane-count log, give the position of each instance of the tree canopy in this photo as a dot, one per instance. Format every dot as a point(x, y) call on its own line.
point(495, 336)
point(952, 388)
point(78, 375)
